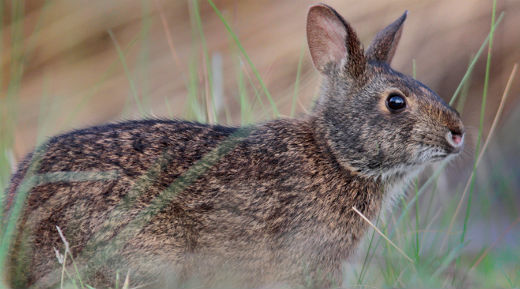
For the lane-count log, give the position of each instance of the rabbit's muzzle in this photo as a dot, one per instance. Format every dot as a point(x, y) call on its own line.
point(454, 132)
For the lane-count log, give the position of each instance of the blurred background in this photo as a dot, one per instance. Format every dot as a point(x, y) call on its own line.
point(67, 64)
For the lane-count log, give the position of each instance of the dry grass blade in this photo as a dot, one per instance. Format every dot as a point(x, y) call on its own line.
point(169, 40)
point(64, 259)
point(499, 111)
point(128, 75)
point(382, 235)
point(126, 284)
point(63, 239)
point(168, 35)
point(210, 117)
point(491, 132)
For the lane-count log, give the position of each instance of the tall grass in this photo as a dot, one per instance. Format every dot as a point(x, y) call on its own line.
point(481, 122)
point(246, 56)
point(403, 250)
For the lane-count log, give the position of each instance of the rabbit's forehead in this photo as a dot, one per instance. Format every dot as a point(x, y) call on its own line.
point(385, 77)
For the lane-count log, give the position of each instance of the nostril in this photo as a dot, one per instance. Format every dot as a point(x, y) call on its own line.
point(455, 138)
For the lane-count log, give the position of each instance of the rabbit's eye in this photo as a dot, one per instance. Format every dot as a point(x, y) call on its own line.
point(395, 102)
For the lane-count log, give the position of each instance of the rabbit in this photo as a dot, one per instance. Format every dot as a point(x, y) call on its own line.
point(268, 204)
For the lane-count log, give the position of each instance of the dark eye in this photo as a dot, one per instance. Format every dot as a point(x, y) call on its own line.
point(395, 102)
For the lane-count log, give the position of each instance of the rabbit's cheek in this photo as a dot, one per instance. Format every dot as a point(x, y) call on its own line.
point(382, 109)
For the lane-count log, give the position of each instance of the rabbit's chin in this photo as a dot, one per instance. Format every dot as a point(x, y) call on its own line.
point(399, 179)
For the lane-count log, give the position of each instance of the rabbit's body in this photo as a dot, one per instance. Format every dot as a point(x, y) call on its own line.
point(268, 203)
point(263, 200)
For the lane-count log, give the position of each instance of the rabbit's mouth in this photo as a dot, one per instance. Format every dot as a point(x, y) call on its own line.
point(438, 157)
point(433, 154)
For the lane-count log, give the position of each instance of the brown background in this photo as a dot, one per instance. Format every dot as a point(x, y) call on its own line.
point(64, 63)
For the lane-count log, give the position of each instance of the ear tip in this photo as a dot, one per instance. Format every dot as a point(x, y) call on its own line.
point(319, 6)
point(399, 21)
point(405, 14)
point(321, 10)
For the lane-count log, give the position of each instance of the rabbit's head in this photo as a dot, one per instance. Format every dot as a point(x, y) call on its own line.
point(375, 120)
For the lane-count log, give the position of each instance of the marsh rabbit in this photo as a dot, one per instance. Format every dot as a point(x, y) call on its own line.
point(171, 201)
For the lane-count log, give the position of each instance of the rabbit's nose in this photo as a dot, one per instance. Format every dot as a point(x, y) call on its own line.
point(455, 138)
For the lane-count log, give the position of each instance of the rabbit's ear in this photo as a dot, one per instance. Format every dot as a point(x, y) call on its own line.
point(332, 40)
point(384, 44)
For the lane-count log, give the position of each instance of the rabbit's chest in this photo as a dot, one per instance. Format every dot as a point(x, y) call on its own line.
point(396, 186)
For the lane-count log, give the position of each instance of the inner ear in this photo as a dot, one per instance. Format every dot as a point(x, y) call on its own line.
point(385, 43)
point(331, 40)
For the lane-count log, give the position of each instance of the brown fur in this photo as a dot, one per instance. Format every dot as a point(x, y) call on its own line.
point(266, 204)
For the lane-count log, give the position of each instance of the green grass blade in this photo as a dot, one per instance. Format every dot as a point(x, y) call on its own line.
point(481, 124)
point(448, 259)
point(194, 109)
point(8, 99)
point(297, 81)
point(209, 101)
point(464, 93)
point(255, 90)
point(1, 43)
point(97, 85)
point(414, 69)
point(475, 58)
point(245, 106)
point(367, 259)
point(423, 188)
point(168, 107)
point(133, 88)
point(246, 56)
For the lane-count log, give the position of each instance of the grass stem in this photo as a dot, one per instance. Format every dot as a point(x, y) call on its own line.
point(484, 147)
point(383, 235)
point(246, 56)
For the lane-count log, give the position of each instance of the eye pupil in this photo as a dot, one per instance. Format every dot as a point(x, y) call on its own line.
point(395, 102)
